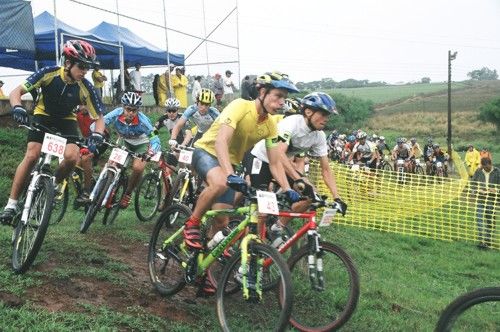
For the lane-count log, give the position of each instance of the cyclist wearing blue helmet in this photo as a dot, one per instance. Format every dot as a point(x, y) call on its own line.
point(300, 133)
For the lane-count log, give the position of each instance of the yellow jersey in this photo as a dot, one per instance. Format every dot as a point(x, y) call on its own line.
point(242, 116)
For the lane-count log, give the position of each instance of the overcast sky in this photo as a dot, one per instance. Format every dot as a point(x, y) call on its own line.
point(386, 40)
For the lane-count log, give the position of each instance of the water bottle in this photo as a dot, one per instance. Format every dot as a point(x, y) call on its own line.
point(277, 236)
point(218, 237)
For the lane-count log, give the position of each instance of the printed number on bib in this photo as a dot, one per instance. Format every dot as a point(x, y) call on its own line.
point(156, 157)
point(186, 156)
point(256, 166)
point(54, 145)
point(118, 156)
point(267, 202)
point(327, 218)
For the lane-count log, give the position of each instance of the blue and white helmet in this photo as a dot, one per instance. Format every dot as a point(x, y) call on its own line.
point(319, 101)
point(131, 99)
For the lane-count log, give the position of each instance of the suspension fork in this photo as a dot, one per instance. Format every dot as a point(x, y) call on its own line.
point(315, 261)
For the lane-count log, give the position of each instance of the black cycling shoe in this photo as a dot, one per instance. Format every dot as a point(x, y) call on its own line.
point(7, 216)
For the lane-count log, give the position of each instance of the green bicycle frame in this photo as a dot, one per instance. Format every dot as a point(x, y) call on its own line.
point(205, 259)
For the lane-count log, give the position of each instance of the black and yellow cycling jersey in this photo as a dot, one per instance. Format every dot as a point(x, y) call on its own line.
point(59, 97)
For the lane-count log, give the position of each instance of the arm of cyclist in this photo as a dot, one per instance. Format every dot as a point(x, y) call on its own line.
point(177, 128)
point(188, 136)
point(328, 176)
point(224, 137)
point(276, 166)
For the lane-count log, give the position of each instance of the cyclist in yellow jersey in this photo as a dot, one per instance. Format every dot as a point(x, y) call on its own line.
point(240, 125)
point(63, 88)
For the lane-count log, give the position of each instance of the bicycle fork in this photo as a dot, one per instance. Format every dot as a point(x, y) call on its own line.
point(315, 261)
point(29, 196)
point(251, 271)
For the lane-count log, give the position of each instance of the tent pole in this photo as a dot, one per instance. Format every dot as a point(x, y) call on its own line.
point(238, 41)
point(121, 57)
point(56, 41)
point(168, 53)
point(205, 34)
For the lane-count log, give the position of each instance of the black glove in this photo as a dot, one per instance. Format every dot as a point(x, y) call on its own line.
point(342, 205)
point(95, 141)
point(20, 115)
point(303, 188)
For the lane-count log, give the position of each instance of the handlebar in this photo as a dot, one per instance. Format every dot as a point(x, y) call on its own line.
point(41, 128)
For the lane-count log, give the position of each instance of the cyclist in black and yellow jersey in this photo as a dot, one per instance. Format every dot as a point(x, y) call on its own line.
point(63, 88)
point(240, 125)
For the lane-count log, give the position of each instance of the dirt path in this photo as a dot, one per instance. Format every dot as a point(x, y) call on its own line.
point(67, 294)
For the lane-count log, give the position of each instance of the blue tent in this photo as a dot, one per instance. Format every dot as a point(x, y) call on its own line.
point(135, 48)
point(17, 41)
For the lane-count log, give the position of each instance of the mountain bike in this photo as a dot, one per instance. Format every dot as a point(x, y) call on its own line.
point(61, 200)
point(110, 186)
point(324, 277)
point(245, 298)
point(464, 313)
point(153, 192)
point(187, 186)
point(38, 200)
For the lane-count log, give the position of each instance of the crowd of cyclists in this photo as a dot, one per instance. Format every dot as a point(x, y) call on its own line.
point(374, 152)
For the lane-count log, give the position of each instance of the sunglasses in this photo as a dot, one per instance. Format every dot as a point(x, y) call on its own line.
point(205, 104)
point(171, 111)
point(131, 109)
point(83, 66)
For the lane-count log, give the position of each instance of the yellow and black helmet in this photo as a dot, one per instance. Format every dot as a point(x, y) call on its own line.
point(206, 96)
point(276, 80)
point(292, 106)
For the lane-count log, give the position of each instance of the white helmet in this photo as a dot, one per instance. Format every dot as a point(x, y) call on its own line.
point(172, 103)
point(131, 99)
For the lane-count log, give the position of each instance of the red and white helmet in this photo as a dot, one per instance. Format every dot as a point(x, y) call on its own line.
point(80, 51)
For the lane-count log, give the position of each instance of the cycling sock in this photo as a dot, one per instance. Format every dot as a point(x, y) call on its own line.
point(11, 204)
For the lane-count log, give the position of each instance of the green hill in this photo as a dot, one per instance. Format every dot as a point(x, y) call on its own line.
point(424, 115)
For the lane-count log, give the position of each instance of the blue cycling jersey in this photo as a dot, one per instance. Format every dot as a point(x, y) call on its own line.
point(139, 131)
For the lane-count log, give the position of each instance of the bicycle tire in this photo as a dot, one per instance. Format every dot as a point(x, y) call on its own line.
point(26, 247)
point(387, 167)
point(332, 307)
point(60, 205)
point(95, 205)
point(274, 308)
point(167, 279)
point(419, 170)
point(147, 203)
point(110, 213)
point(465, 301)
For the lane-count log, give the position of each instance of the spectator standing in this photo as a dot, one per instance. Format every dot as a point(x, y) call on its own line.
point(486, 181)
point(228, 87)
point(98, 78)
point(218, 89)
point(485, 153)
point(128, 85)
point(179, 84)
point(196, 88)
point(2, 95)
point(136, 77)
point(163, 87)
point(472, 160)
point(155, 89)
point(246, 87)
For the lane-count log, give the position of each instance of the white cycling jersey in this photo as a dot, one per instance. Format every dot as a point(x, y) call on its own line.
point(293, 130)
point(364, 149)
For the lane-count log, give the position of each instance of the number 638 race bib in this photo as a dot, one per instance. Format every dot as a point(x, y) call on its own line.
point(54, 145)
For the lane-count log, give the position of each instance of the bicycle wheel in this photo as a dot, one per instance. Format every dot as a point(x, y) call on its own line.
point(462, 315)
point(147, 197)
point(165, 262)
point(29, 236)
point(328, 308)
point(387, 167)
point(60, 205)
point(272, 311)
point(419, 170)
point(112, 207)
point(95, 205)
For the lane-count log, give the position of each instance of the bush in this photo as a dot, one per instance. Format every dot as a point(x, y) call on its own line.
point(490, 112)
point(353, 113)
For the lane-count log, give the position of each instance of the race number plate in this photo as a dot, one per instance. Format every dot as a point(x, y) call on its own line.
point(267, 202)
point(156, 157)
point(327, 218)
point(118, 156)
point(54, 145)
point(256, 166)
point(186, 156)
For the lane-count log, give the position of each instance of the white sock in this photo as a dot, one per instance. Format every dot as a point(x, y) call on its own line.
point(11, 204)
